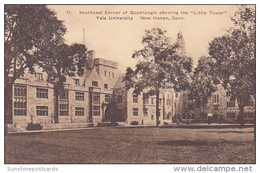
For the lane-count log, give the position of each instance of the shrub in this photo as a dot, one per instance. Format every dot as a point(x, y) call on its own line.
point(134, 123)
point(107, 124)
point(32, 126)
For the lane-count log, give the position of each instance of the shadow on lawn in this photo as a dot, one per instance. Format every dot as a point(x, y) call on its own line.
point(198, 143)
point(229, 131)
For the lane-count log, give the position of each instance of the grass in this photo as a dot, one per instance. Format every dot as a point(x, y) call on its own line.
point(133, 145)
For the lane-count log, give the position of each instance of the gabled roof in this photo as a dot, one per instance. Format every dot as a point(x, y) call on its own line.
point(119, 83)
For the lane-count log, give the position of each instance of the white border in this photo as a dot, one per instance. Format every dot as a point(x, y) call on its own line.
point(152, 168)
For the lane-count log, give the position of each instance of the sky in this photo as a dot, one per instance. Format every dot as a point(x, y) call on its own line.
point(117, 40)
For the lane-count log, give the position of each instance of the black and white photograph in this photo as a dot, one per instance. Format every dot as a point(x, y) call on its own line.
point(130, 84)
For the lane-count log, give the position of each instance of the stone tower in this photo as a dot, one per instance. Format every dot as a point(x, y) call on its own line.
point(181, 44)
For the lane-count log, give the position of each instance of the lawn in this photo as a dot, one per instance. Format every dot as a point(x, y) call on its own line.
point(133, 145)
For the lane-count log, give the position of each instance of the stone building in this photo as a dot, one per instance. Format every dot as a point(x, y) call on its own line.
point(224, 108)
point(85, 98)
point(141, 109)
point(220, 106)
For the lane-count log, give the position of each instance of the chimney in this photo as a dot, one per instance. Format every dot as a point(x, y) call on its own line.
point(91, 54)
point(90, 61)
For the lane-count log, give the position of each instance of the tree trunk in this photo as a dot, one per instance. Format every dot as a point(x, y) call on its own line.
point(241, 115)
point(56, 105)
point(8, 103)
point(157, 108)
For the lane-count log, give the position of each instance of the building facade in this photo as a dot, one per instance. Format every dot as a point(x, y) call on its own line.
point(141, 109)
point(84, 100)
point(220, 106)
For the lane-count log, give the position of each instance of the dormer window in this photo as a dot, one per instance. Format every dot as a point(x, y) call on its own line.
point(94, 83)
point(76, 81)
point(39, 76)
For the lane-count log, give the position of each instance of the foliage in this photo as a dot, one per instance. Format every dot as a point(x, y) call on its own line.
point(34, 126)
point(107, 124)
point(160, 66)
point(234, 58)
point(65, 60)
point(203, 83)
point(28, 30)
point(134, 123)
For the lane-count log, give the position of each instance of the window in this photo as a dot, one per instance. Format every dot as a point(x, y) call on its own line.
point(231, 115)
point(113, 75)
point(135, 111)
point(64, 104)
point(160, 101)
point(188, 115)
point(227, 93)
point(145, 112)
point(39, 76)
point(64, 95)
point(216, 98)
point(215, 107)
point(76, 81)
point(96, 104)
point(79, 111)
point(193, 116)
point(152, 101)
point(169, 101)
point(106, 86)
point(135, 98)
point(176, 95)
point(109, 74)
point(20, 100)
point(249, 115)
point(96, 110)
point(184, 116)
point(105, 73)
point(94, 83)
point(96, 97)
point(152, 117)
point(119, 98)
point(79, 96)
point(175, 105)
point(231, 104)
point(107, 98)
point(250, 103)
point(146, 101)
point(41, 93)
point(42, 110)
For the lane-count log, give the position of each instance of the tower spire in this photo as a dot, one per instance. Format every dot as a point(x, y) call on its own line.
point(181, 44)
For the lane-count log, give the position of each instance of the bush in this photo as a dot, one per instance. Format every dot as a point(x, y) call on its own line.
point(32, 126)
point(165, 123)
point(107, 124)
point(134, 123)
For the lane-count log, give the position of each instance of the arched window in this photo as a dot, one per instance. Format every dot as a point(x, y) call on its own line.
point(184, 116)
point(188, 115)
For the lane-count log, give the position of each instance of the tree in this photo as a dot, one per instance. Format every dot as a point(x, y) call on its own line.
point(60, 62)
point(203, 83)
point(159, 67)
point(234, 58)
point(28, 29)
